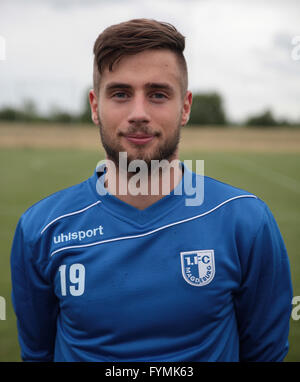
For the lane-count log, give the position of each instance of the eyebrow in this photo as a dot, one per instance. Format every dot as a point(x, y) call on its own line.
point(116, 85)
point(160, 86)
point(149, 85)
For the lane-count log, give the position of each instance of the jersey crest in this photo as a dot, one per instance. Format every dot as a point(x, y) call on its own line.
point(198, 267)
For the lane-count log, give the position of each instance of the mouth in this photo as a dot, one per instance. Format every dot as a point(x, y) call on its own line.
point(139, 139)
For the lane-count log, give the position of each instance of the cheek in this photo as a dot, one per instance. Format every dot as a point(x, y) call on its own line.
point(112, 114)
point(108, 117)
point(168, 117)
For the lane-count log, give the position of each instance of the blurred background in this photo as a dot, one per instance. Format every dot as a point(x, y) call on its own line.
point(243, 56)
point(244, 71)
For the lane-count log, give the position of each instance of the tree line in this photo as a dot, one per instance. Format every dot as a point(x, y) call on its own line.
point(207, 109)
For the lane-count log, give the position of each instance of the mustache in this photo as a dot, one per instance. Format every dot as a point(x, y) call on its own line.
point(142, 129)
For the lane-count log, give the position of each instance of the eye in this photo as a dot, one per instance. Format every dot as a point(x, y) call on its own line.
point(120, 95)
point(158, 96)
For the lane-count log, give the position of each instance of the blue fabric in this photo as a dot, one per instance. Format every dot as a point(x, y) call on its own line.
point(95, 279)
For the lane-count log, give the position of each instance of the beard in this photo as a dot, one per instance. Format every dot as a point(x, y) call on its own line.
point(164, 150)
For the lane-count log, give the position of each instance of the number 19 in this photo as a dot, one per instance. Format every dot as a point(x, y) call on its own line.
point(76, 277)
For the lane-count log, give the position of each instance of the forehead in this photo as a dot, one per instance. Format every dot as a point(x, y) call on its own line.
point(145, 67)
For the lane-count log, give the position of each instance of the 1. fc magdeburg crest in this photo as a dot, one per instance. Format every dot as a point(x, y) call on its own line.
point(198, 267)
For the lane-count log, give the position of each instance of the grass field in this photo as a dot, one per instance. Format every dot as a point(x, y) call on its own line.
point(37, 161)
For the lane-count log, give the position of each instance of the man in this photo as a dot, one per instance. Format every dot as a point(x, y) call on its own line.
point(100, 274)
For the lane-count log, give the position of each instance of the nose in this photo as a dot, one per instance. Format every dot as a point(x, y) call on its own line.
point(138, 112)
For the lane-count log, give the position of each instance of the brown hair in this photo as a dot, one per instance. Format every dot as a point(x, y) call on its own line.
point(135, 36)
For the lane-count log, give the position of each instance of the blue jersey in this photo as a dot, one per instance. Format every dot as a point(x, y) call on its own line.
point(95, 279)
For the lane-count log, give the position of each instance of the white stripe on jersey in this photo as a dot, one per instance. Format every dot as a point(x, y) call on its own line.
point(155, 230)
point(70, 214)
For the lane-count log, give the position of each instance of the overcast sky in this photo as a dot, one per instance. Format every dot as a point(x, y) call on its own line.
point(239, 48)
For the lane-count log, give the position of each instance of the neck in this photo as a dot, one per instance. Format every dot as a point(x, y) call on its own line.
point(143, 188)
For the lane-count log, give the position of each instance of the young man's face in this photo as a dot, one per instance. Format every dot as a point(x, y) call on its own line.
point(140, 107)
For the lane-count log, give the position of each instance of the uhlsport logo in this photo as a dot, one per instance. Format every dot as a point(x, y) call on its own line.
point(198, 267)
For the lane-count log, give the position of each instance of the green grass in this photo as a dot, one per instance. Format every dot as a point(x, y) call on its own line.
point(28, 175)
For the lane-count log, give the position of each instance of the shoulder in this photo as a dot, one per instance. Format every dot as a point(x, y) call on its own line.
point(72, 200)
point(243, 214)
point(240, 205)
point(217, 188)
point(233, 207)
point(218, 193)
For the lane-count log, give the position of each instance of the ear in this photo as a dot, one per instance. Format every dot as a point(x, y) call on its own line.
point(94, 106)
point(186, 109)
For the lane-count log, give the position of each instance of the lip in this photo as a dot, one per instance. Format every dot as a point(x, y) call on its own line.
point(139, 139)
